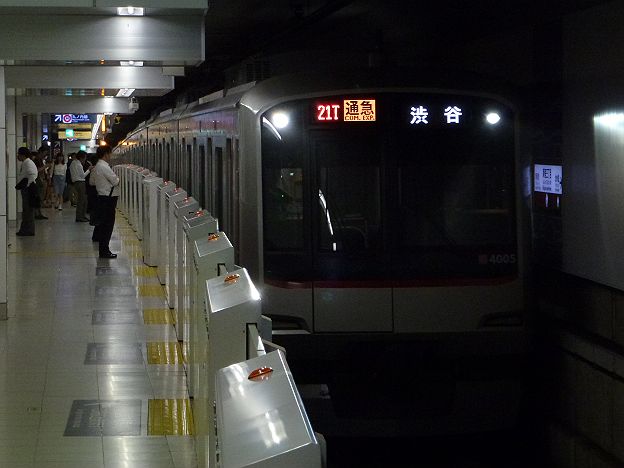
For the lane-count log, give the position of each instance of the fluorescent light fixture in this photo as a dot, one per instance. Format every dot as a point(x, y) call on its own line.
point(131, 63)
point(125, 92)
point(280, 120)
point(493, 118)
point(130, 11)
point(612, 119)
point(96, 127)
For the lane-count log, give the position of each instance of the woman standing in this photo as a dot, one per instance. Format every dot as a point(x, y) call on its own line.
point(58, 180)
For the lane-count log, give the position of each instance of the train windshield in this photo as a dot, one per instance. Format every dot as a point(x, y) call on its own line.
point(389, 186)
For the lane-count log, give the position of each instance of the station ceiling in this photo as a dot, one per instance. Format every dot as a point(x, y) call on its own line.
point(193, 43)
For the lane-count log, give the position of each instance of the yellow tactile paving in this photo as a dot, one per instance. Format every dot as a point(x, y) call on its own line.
point(131, 240)
point(146, 271)
point(170, 417)
point(151, 290)
point(158, 317)
point(164, 353)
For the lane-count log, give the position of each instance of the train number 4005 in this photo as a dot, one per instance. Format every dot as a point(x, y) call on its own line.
point(498, 259)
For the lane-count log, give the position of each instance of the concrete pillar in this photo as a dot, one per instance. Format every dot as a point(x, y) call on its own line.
point(11, 146)
point(4, 202)
point(37, 122)
point(20, 141)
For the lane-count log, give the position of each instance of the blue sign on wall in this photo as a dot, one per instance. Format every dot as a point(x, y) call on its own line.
point(74, 118)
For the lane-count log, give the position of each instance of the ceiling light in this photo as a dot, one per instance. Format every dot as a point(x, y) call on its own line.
point(125, 92)
point(131, 63)
point(611, 119)
point(130, 11)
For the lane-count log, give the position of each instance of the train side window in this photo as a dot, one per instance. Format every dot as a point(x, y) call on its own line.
point(283, 207)
point(455, 205)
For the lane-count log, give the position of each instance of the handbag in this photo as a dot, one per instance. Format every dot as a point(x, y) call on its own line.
point(33, 196)
point(22, 184)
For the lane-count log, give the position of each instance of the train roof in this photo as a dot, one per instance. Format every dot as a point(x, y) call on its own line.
point(283, 88)
point(257, 97)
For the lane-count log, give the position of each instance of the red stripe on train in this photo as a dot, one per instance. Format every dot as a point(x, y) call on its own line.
point(412, 283)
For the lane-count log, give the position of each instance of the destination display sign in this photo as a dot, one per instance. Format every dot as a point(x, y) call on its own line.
point(347, 110)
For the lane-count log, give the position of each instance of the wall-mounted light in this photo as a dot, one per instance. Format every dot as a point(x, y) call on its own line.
point(610, 119)
point(130, 11)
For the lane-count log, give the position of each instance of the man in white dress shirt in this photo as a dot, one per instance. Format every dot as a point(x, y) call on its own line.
point(28, 171)
point(78, 175)
point(107, 185)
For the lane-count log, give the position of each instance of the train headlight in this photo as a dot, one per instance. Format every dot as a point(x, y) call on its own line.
point(280, 120)
point(492, 118)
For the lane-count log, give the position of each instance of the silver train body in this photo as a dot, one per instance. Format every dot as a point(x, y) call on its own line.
point(382, 222)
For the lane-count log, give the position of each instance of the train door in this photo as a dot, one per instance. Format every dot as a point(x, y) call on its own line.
point(233, 209)
point(149, 153)
point(169, 162)
point(162, 171)
point(347, 220)
point(218, 174)
point(206, 175)
point(181, 169)
point(188, 157)
point(181, 165)
point(196, 172)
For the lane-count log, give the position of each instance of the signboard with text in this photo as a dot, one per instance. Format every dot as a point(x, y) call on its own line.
point(73, 118)
point(547, 178)
point(347, 110)
point(77, 135)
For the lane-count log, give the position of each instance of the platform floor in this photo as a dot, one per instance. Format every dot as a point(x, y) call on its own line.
point(90, 368)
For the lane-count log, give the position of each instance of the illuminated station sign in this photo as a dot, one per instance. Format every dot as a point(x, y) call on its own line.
point(547, 189)
point(547, 178)
point(73, 118)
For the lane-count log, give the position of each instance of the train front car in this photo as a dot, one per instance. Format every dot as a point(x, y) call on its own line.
point(391, 255)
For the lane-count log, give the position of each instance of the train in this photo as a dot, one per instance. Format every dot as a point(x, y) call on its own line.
point(381, 215)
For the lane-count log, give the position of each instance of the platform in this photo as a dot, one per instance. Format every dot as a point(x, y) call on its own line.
point(91, 373)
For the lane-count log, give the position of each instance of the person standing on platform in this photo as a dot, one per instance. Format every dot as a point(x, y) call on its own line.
point(39, 158)
point(58, 180)
point(107, 185)
point(26, 177)
point(91, 192)
point(78, 175)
